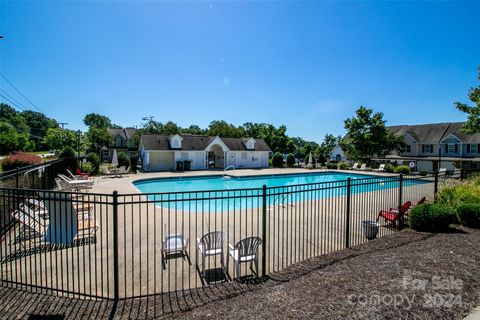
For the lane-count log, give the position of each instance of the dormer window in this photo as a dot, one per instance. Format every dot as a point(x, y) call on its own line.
point(176, 142)
point(250, 145)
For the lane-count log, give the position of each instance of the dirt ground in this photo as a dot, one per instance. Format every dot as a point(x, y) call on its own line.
point(407, 275)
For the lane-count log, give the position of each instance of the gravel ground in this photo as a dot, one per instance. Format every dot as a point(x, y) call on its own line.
point(407, 275)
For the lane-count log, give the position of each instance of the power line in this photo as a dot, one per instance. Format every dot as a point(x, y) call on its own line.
point(16, 105)
point(20, 92)
point(5, 92)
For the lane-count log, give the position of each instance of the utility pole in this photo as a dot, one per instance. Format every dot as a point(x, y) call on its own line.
point(63, 124)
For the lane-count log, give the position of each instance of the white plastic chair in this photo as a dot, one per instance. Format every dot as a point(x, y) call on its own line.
point(174, 244)
point(245, 250)
point(211, 244)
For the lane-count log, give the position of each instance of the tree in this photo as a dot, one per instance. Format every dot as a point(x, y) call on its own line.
point(12, 140)
point(223, 129)
point(98, 138)
point(194, 129)
point(367, 135)
point(38, 124)
point(170, 128)
point(473, 112)
point(97, 120)
point(322, 152)
point(277, 160)
point(290, 160)
point(10, 115)
point(56, 138)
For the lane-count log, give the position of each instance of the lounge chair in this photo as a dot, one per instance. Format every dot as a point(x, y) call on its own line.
point(381, 168)
point(457, 174)
point(211, 244)
point(364, 167)
point(33, 228)
point(355, 166)
point(393, 214)
point(442, 172)
point(75, 184)
point(174, 244)
point(245, 250)
point(78, 176)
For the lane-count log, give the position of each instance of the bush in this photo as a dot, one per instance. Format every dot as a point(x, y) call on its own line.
point(133, 164)
point(88, 168)
point(277, 160)
point(402, 169)
point(423, 173)
point(456, 195)
point(343, 166)
point(290, 160)
point(431, 217)
point(389, 168)
point(469, 214)
point(331, 165)
point(123, 159)
point(94, 161)
point(20, 159)
point(67, 152)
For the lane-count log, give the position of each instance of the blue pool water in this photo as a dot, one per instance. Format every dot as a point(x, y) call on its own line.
point(222, 193)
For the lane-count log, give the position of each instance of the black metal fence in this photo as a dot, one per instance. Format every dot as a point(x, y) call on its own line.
point(137, 245)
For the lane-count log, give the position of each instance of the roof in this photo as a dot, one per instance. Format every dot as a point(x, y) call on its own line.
point(423, 133)
point(455, 128)
point(125, 133)
point(198, 143)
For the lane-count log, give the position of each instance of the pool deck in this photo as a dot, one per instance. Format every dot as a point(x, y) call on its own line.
point(106, 184)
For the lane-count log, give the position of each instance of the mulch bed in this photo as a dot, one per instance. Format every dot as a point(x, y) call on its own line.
point(408, 275)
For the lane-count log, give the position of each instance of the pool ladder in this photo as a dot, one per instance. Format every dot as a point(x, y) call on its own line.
point(283, 200)
point(231, 167)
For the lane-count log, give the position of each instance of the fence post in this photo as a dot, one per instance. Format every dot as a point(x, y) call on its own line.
point(435, 187)
point(115, 245)
point(16, 178)
point(400, 201)
point(264, 230)
point(347, 220)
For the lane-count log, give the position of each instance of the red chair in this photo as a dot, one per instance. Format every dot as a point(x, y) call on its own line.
point(393, 214)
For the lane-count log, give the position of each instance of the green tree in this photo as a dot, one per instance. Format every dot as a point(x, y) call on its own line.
point(38, 124)
point(56, 138)
point(223, 129)
point(170, 128)
point(97, 120)
point(194, 129)
point(98, 138)
point(10, 115)
point(322, 152)
point(277, 160)
point(367, 136)
point(473, 112)
point(290, 160)
point(12, 140)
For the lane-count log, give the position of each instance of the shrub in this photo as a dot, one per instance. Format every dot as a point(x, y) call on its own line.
point(402, 169)
point(88, 168)
point(277, 160)
point(94, 161)
point(67, 152)
point(389, 167)
point(290, 160)
point(455, 195)
point(20, 159)
point(133, 164)
point(342, 166)
point(431, 217)
point(123, 159)
point(331, 165)
point(469, 214)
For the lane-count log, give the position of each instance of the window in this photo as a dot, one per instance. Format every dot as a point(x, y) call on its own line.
point(473, 148)
point(408, 148)
point(452, 148)
point(118, 141)
point(427, 148)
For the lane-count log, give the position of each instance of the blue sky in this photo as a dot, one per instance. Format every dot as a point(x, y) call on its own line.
point(307, 65)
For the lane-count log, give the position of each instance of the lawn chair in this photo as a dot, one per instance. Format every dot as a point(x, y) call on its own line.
point(442, 172)
point(78, 176)
point(211, 244)
point(393, 214)
point(364, 167)
point(246, 250)
point(33, 228)
point(174, 244)
point(355, 166)
point(381, 168)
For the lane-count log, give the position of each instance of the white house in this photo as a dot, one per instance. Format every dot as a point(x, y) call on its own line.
point(161, 152)
point(337, 154)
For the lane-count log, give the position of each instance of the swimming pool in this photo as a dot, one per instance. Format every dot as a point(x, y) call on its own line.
point(231, 193)
point(210, 183)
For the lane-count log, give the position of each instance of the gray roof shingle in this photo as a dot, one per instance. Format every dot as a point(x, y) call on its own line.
point(197, 143)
